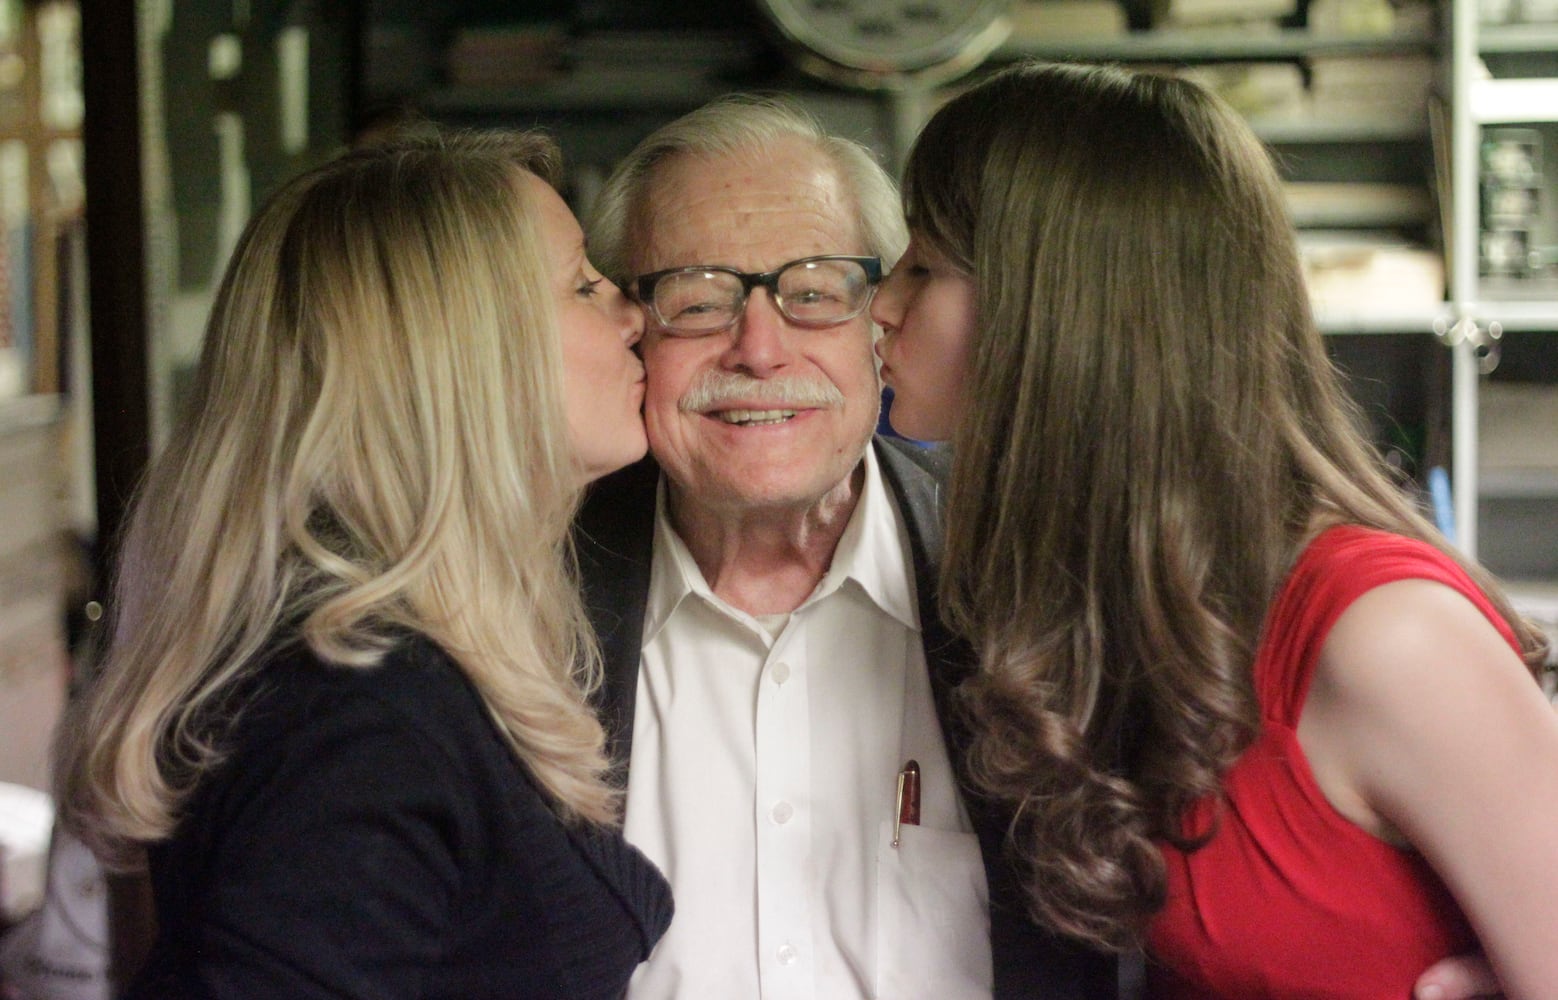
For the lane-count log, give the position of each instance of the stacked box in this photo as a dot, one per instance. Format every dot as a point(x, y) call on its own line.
point(1511, 200)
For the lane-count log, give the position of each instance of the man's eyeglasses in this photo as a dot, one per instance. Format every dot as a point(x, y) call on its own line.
point(812, 291)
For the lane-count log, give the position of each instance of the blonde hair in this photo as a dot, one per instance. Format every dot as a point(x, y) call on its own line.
point(728, 126)
point(1159, 431)
point(375, 445)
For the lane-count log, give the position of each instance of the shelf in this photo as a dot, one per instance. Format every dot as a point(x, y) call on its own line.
point(1518, 484)
point(1332, 320)
point(1494, 39)
point(1356, 205)
point(1515, 314)
point(1330, 129)
point(1213, 46)
point(1536, 598)
point(1514, 101)
point(603, 92)
point(25, 412)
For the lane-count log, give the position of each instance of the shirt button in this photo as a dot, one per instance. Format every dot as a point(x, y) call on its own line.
point(782, 813)
point(787, 954)
point(781, 672)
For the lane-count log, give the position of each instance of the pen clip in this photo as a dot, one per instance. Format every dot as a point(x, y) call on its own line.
point(906, 805)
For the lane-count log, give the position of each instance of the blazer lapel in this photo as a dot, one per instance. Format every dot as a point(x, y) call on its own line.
point(915, 476)
point(1030, 963)
point(614, 542)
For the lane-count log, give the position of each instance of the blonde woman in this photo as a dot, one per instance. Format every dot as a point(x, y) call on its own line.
point(1245, 706)
point(345, 709)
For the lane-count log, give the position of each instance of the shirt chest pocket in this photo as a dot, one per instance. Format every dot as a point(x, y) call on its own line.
point(933, 916)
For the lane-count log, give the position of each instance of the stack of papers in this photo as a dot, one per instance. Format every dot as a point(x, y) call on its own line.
point(1362, 273)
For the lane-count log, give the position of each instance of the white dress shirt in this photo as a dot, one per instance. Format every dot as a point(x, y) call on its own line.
point(763, 781)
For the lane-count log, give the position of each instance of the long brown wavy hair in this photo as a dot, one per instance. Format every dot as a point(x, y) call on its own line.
point(1158, 433)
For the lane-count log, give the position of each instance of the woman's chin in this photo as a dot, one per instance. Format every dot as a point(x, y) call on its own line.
point(915, 427)
point(631, 451)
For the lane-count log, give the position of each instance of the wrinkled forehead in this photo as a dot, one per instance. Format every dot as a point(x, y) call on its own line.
point(751, 209)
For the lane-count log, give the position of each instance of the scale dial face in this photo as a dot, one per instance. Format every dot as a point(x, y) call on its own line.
point(881, 44)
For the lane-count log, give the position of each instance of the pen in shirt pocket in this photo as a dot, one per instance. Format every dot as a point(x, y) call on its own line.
point(908, 804)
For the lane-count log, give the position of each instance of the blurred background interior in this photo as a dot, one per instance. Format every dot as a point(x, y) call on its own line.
point(1419, 139)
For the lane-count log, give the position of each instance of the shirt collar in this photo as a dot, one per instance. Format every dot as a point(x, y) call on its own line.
point(873, 553)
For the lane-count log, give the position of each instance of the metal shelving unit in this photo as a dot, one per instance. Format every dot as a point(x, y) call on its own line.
point(1369, 169)
point(1168, 45)
point(1344, 148)
point(1485, 308)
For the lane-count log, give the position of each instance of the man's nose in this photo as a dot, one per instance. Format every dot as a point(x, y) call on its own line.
point(761, 341)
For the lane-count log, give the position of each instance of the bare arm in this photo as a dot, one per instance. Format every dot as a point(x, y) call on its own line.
point(1424, 725)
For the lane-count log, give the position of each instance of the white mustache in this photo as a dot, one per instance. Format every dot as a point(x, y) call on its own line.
point(715, 388)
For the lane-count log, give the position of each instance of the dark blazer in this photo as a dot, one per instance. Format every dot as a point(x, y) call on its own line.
point(615, 535)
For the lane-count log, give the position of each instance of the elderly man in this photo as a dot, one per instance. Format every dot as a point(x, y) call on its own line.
point(764, 596)
point(774, 657)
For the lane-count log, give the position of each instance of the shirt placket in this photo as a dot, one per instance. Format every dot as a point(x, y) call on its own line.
point(783, 821)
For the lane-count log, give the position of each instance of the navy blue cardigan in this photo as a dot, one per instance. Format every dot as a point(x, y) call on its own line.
point(371, 835)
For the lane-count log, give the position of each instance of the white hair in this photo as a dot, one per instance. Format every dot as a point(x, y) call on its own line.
point(728, 125)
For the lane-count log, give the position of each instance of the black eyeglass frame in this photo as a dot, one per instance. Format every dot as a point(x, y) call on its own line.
point(644, 288)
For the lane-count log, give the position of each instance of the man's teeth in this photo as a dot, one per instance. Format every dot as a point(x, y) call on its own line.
point(751, 417)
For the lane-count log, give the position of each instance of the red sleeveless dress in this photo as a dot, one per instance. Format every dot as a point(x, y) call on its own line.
point(1290, 899)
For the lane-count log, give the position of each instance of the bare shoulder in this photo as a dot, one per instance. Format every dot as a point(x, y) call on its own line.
point(1420, 659)
point(1404, 633)
point(1411, 674)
